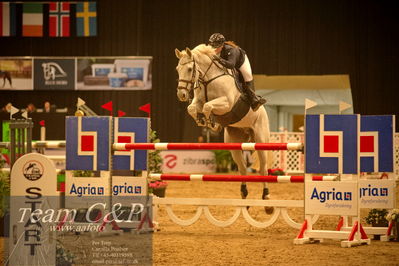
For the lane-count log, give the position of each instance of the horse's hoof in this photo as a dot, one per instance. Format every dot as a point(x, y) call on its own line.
point(244, 191)
point(265, 196)
point(217, 128)
point(269, 210)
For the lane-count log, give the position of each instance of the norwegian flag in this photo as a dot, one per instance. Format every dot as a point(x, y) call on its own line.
point(59, 19)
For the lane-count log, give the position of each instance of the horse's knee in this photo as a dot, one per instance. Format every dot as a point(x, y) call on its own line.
point(207, 109)
point(192, 110)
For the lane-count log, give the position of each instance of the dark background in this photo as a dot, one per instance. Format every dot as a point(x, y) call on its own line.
point(283, 37)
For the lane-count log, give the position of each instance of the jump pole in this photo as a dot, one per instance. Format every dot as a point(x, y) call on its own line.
point(238, 178)
point(208, 146)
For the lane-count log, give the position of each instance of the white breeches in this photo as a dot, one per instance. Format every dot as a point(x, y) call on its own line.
point(246, 70)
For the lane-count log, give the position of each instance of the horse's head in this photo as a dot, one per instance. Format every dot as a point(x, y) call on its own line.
point(188, 74)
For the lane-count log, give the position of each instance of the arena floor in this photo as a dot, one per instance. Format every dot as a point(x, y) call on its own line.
point(242, 244)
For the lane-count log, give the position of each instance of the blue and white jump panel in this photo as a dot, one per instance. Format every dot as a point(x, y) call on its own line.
point(334, 144)
point(89, 143)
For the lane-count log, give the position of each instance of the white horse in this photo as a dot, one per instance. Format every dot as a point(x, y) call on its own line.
point(216, 95)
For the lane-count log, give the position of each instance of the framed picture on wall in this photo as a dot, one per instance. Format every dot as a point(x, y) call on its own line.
point(16, 74)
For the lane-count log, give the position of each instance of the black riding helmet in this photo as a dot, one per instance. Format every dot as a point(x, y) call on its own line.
point(216, 40)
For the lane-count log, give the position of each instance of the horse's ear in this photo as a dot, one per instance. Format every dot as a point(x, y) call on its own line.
point(188, 51)
point(178, 53)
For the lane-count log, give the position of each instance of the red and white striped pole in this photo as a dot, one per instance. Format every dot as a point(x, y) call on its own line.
point(238, 178)
point(208, 146)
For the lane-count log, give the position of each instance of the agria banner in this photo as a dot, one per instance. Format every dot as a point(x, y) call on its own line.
point(334, 143)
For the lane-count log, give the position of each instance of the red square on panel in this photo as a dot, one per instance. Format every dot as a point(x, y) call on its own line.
point(331, 144)
point(366, 143)
point(124, 139)
point(87, 143)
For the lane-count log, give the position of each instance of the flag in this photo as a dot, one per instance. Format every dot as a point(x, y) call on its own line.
point(343, 106)
point(309, 104)
point(107, 106)
point(32, 20)
point(86, 19)
point(59, 19)
point(146, 108)
point(121, 113)
point(8, 19)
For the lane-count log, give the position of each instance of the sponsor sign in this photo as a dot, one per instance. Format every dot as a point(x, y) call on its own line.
point(378, 194)
point(129, 186)
point(331, 198)
point(188, 162)
point(54, 74)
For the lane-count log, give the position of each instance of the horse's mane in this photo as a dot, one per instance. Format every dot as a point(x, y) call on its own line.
point(203, 49)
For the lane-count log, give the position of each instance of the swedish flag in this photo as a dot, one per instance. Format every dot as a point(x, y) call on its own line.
point(86, 19)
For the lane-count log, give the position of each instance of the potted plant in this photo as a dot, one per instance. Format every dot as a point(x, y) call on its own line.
point(376, 218)
point(224, 160)
point(276, 171)
point(157, 187)
point(154, 157)
point(393, 216)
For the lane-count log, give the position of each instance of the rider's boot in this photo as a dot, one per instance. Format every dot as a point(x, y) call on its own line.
point(256, 101)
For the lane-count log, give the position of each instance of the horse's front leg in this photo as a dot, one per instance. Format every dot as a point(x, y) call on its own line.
point(194, 110)
point(217, 106)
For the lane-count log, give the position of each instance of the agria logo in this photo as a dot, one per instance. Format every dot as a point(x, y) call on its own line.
point(373, 191)
point(332, 195)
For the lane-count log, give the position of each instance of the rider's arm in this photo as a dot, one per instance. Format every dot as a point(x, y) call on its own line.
point(231, 58)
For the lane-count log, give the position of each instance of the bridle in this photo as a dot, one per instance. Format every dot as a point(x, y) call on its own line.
point(188, 82)
point(201, 77)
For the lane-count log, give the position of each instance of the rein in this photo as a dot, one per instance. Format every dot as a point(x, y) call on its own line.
point(205, 83)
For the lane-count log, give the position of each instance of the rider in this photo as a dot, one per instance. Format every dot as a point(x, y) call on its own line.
point(232, 56)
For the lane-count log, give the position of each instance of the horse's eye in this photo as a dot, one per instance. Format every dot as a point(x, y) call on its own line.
point(190, 69)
